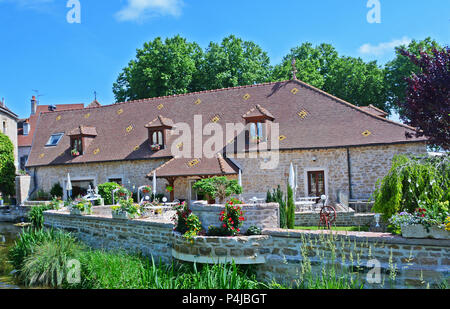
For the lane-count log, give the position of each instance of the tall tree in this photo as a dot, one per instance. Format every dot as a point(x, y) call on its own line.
point(348, 78)
point(313, 64)
point(427, 98)
point(7, 167)
point(234, 62)
point(401, 68)
point(161, 68)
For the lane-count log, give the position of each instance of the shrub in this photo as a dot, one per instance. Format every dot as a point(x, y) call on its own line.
point(218, 187)
point(36, 215)
point(232, 218)
point(57, 191)
point(186, 222)
point(278, 197)
point(47, 266)
point(253, 230)
point(26, 242)
point(412, 182)
point(105, 190)
point(290, 213)
point(7, 167)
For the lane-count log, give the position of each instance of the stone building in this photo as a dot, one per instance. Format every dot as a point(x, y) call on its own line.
point(26, 127)
point(259, 130)
point(8, 123)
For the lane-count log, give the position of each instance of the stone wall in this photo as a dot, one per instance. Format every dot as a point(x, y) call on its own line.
point(23, 188)
point(150, 238)
point(212, 250)
point(261, 215)
point(278, 254)
point(367, 165)
point(343, 218)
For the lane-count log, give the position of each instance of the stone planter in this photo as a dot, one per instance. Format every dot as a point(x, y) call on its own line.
point(123, 215)
point(420, 231)
point(244, 250)
point(77, 212)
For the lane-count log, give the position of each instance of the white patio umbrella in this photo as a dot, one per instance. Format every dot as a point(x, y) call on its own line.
point(69, 186)
point(154, 184)
point(292, 178)
point(240, 178)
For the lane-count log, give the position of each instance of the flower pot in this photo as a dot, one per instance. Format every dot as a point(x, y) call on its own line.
point(77, 212)
point(122, 215)
point(420, 231)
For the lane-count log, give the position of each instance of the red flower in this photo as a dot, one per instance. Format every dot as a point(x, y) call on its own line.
point(224, 225)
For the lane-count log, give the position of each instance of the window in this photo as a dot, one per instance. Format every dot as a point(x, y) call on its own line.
point(76, 144)
point(116, 180)
point(256, 131)
point(316, 183)
point(4, 127)
point(23, 162)
point(157, 138)
point(26, 128)
point(54, 139)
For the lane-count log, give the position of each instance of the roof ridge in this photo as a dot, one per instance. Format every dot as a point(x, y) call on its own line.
point(358, 108)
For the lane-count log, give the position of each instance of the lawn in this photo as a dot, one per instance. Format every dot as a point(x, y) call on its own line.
point(336, 228)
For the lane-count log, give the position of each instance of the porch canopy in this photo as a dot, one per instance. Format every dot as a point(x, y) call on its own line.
point(203, 168)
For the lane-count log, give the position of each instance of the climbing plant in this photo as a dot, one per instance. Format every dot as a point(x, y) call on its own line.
point(412, 182)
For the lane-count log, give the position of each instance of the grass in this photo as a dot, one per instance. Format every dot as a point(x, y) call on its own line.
point(335, 228)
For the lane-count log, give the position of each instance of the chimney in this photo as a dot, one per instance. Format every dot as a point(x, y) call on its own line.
point(2, 102)
point(33, 105)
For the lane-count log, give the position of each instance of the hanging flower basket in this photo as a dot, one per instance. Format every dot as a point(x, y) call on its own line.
point(146, 189)
point(169, 189)
point(75, 153)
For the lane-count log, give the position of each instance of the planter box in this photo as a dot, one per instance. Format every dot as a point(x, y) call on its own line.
point(77, 212)
point(244, 250)
point(420, 231)
point(123, 215)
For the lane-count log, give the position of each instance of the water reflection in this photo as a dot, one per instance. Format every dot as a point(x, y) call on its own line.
point(8, 233)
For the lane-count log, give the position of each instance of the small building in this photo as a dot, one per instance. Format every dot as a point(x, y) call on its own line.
point(259, 130)
point(8, 122)
point(26, 127)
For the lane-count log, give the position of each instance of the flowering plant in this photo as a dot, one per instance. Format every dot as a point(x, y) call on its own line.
point(155, 147)
point(74, 153)
point(121, 194)
point(169, 189)
point(127, 206)
point(82, 205)
point(186, 222)
point(147, 189)
point(447, 224)
point(232, 217)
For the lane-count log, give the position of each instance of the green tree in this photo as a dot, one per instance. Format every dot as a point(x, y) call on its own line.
point(400, 68)
point(234, 62)
point(161, 68)
point(218, 187)
point(7, 167)
point(290, 214)
point(347, 78)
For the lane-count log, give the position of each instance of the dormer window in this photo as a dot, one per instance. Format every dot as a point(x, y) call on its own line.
point(258, 120)
point(158, 132)
point(26, 128)
point(80, 139)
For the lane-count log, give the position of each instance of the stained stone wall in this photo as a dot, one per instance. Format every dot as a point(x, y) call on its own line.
point(277, 254)
point(343, 218)
point(368, 164)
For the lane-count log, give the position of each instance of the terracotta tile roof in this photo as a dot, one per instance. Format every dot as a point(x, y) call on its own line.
point(94, 103)
point(308, 118)
point(195, 167)
point(160, 122)
point(258, 111)
point(26, 140)
point(83, 130)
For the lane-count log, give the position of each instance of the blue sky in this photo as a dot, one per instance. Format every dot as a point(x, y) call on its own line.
point(67, 62)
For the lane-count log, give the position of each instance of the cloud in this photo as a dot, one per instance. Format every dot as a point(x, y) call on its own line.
point(138, 10)
point(382, 48)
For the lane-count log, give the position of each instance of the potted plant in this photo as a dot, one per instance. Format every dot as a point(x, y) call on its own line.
point(218, 187)
point(74, 153)
point(146, 189)
point(80, 207)
point(169, 189)
point(155, 147)
point(126, 209)
point(428, 221)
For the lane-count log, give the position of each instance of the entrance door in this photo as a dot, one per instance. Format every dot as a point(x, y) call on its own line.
point(79, 188)
point(316, 183)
